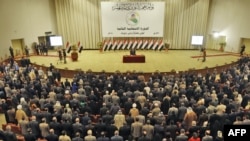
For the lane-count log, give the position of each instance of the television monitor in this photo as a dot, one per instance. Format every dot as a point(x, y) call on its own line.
point(56, 41)
point(197, 40)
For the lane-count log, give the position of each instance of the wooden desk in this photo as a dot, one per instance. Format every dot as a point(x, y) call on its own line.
point(133, 58)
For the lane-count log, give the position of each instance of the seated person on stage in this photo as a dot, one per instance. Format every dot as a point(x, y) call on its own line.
point(132, 51)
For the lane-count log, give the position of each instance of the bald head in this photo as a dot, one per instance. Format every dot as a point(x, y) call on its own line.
point(51, 131)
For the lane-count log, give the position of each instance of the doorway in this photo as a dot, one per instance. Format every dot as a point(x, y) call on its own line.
point(18, 46)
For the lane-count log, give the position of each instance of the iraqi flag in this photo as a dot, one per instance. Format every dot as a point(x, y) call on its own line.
point(110, 45)
point(145, 44)
point(161, 45)
point(156, 44)
point(139, 46)
point(105, 45)
point(125, 44)
point(135, 44)
point(115, 44)
point(151, 44)
point(68, 47)
point(130, 44)
point(119, 44)
point(80, 48)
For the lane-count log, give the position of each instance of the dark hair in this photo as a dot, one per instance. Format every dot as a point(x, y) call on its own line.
point(63, 132)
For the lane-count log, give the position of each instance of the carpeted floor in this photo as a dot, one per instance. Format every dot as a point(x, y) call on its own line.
point(164, 61)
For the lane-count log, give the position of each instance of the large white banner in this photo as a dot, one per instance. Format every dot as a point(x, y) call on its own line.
point(132, 19)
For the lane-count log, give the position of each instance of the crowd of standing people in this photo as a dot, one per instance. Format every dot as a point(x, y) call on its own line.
point(118, 107)
point(41, 49)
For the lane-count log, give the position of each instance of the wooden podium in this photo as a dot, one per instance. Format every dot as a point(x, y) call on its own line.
point(133, 58)
point(74, 56)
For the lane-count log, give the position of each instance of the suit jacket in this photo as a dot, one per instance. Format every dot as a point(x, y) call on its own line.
point(56, 126)
point(119, 120)
point(10, 136)
point(24, 124)
point(116, 138)
point(207, 138)
point(2, 135)
point(64, 138)
point(149, 129)
point(124, 131)
point(134, 112)
point(67, 126)
point(77, 139)
point(188, 118)
point(20, 114)
point(103, 139)
point(89, 138)
point(52, 137)
point(144, 138)
point(181, 138)
point(77, 127)
point(29, 137)
point(34, 125)
point(44, 128)
point(11, 116)
point(136, 129)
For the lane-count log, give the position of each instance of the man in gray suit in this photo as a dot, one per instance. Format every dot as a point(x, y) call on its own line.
point(182, 136)
point(207, 136)
point(116, 136)
point(24, 124)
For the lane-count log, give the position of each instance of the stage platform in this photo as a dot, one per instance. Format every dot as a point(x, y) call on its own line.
point(162, 61)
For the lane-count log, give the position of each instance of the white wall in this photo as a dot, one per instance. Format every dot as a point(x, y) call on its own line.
point(25, 19)
point(230, 18)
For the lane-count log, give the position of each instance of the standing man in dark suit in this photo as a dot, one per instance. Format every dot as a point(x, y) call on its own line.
point(204, 54)
point(10, 136)
point(182, 136)
point(77, 126)
point(36, 46)
point(23, 62)
point(116, 137)
point(242, 49)
point(29, 136)
point(77, 137)
point(64, 56)
point(56, 126)
point(125, 131)
point(103, 137)
point(27, 51)
point(52, 136)
point(11, 51)
point(11, 60)
point(132, 51)
point(34, 125)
